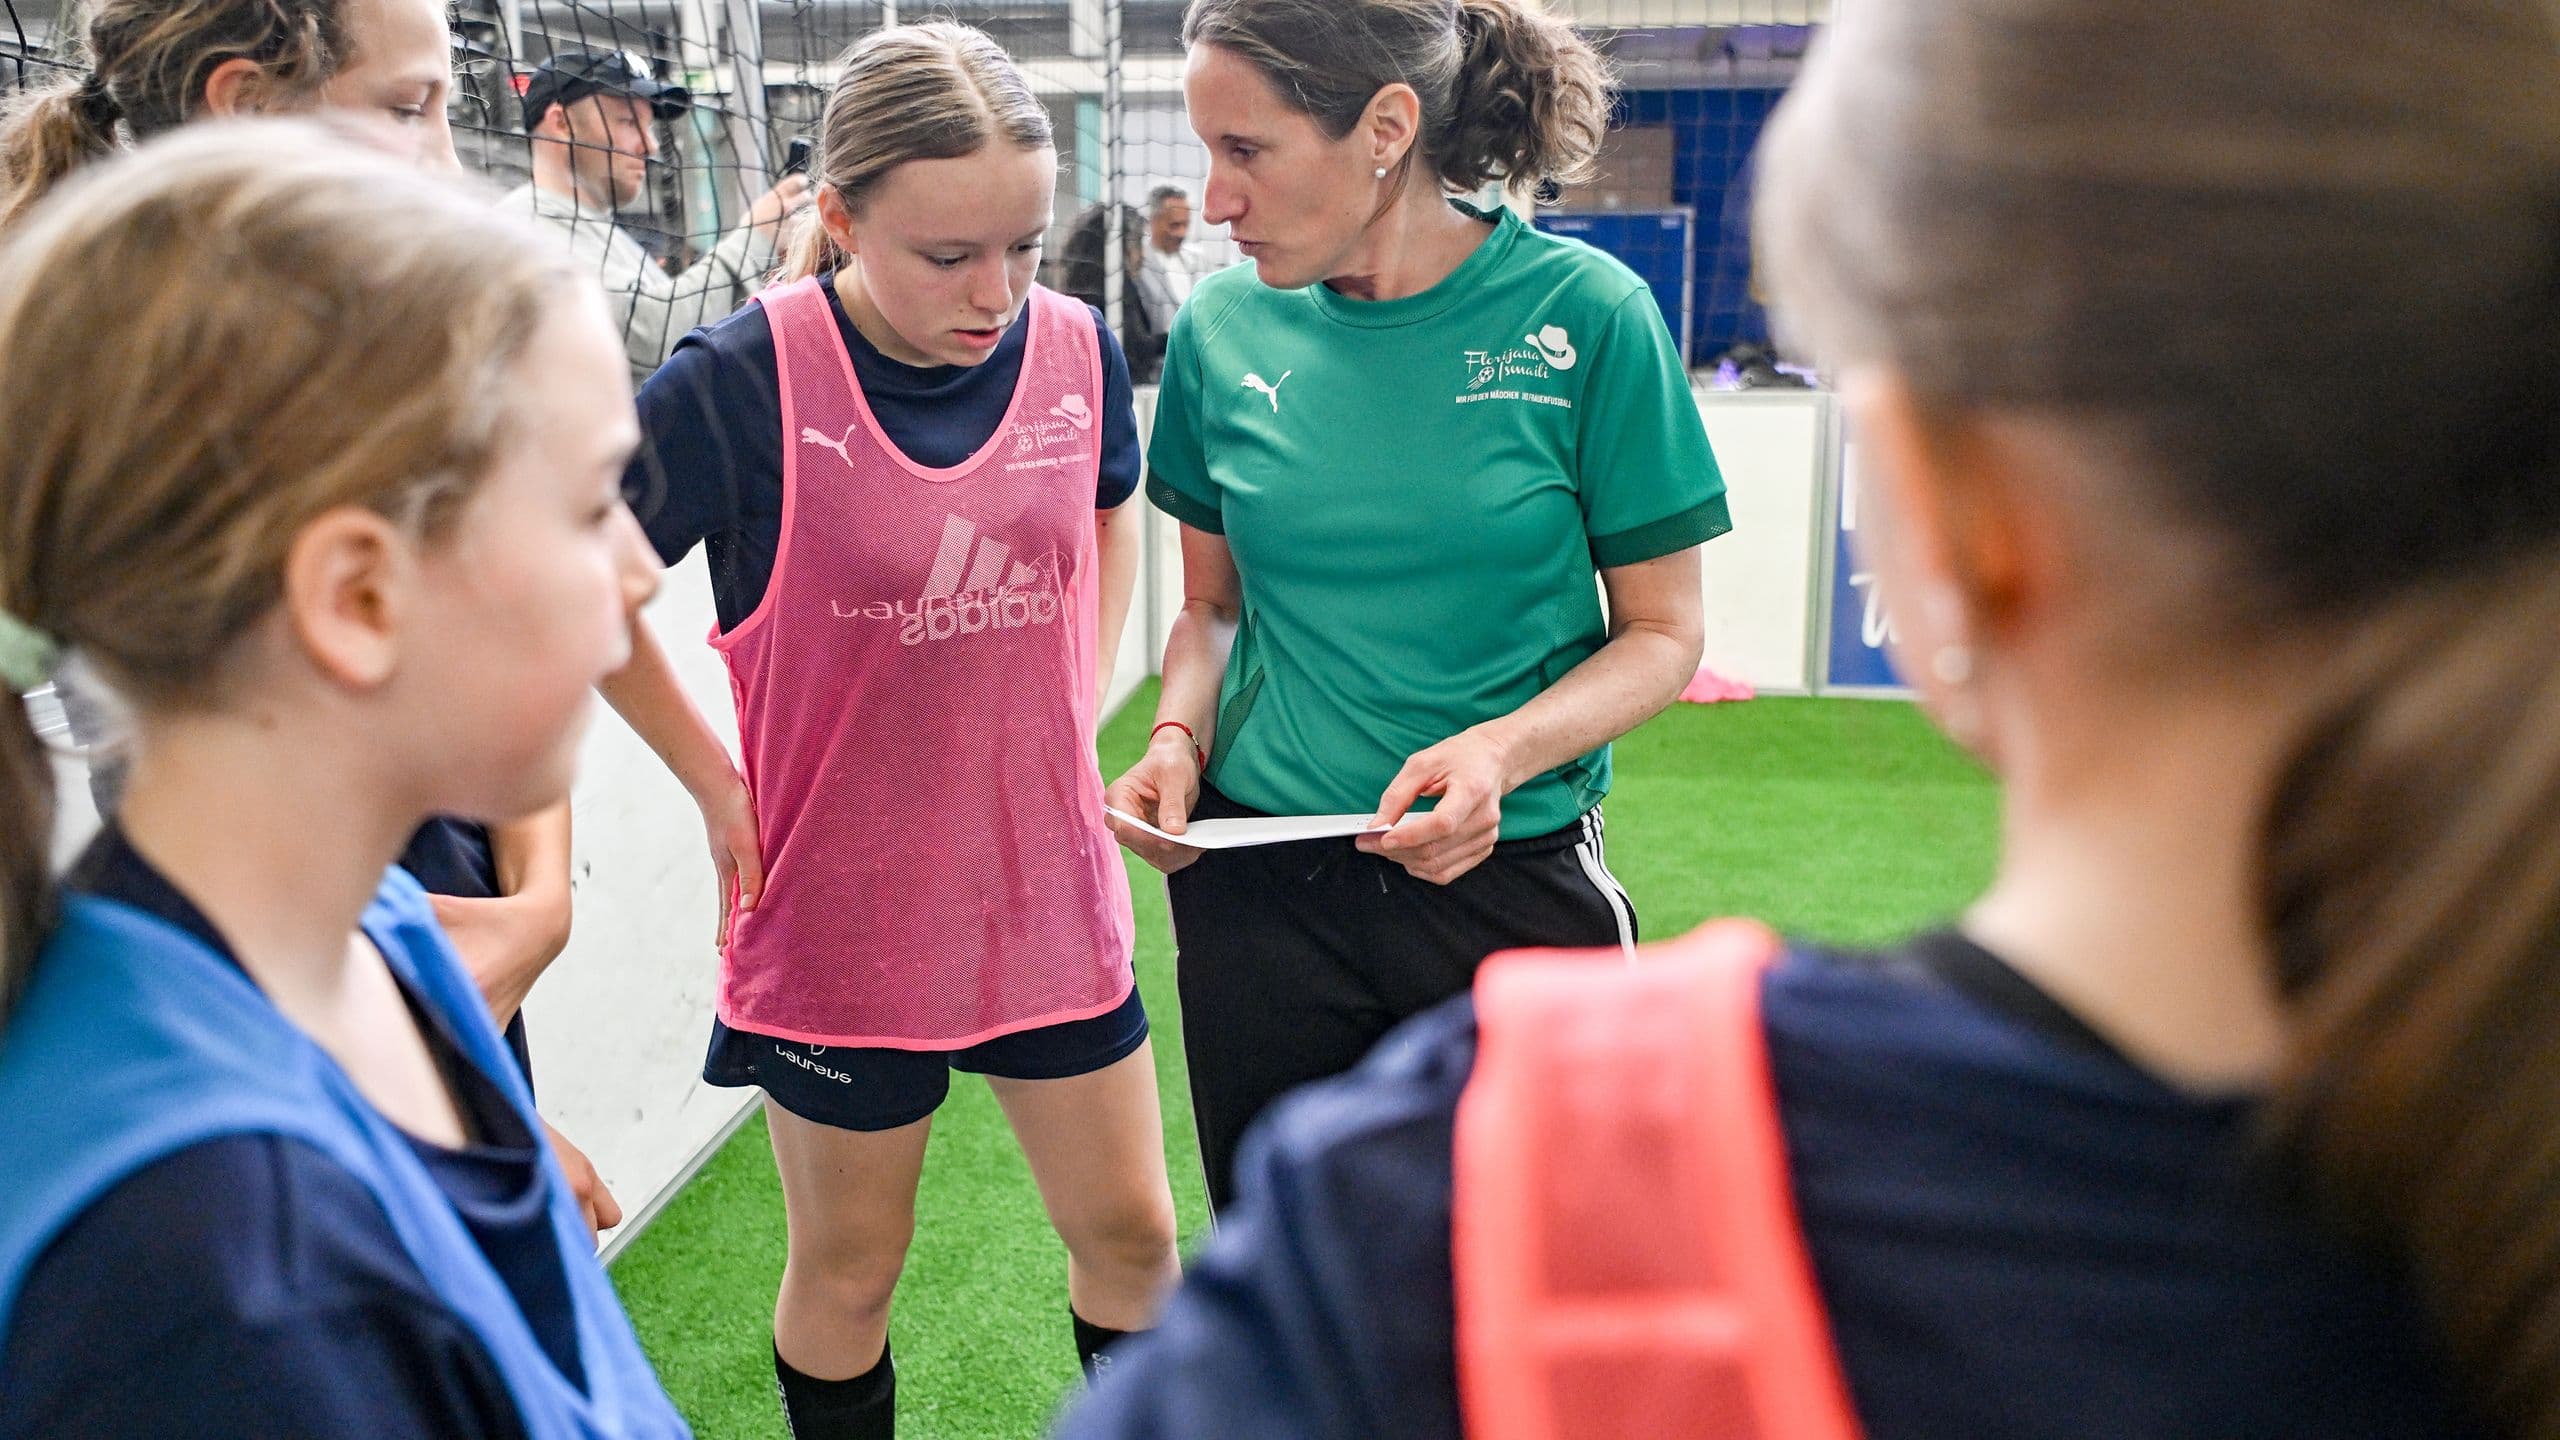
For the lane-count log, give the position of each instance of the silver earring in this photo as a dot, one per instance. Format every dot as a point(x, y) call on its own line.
point(1952, 665)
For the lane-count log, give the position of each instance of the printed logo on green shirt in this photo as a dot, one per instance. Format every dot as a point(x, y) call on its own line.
point(1270, 388)
point(1541, 356)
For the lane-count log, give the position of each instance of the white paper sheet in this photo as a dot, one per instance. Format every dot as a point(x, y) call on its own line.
point(1271, 830)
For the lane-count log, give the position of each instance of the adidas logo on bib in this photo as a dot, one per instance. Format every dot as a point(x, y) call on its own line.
point(975, 586)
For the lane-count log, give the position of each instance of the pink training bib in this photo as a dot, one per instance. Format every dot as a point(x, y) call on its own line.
point(916, 699)
point(1623, 1234)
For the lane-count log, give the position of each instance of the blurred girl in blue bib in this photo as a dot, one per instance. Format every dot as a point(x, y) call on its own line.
point(317, 459)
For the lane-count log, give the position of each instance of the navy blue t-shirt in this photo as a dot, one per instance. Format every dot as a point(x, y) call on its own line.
point(453, 857)
point(710, 472)
point(2016, 1232)
point(251, 1286)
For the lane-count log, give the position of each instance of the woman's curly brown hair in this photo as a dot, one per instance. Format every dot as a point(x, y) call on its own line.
point(1509, 93)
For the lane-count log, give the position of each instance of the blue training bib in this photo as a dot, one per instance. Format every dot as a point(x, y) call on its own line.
point(135, 1041)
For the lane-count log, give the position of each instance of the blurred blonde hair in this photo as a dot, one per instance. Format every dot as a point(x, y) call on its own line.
point(203, 346)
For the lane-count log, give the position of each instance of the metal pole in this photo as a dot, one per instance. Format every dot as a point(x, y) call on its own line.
point(745, 25)
point(1114, 243)
point(511, 28)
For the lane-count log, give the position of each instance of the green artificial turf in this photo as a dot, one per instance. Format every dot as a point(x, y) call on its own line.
point(1835, 819)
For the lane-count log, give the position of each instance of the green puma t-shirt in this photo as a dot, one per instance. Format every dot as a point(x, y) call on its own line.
point(1418, 493)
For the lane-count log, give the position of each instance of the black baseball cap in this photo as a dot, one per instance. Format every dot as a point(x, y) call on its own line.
point(573, 75)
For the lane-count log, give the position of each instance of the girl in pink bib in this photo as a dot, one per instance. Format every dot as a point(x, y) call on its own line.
point(899, 458)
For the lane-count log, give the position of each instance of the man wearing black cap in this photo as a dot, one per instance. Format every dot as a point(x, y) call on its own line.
point(593, 118)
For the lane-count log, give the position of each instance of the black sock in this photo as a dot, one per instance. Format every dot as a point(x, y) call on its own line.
point(1091, 1341)
point(862, 1408)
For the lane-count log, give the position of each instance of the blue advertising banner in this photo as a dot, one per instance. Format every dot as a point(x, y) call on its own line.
point(1860, 620)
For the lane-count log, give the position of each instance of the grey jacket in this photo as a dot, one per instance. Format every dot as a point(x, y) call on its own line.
point(653, 308)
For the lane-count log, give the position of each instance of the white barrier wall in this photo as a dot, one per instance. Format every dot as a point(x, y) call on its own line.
point(1760, 578)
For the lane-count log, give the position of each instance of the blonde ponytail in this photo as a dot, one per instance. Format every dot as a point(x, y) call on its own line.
point(46, 134)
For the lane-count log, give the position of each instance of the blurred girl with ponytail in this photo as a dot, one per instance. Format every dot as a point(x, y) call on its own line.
point(154, 65)
point(1401, 444)
point(385, 66)
point(2233, 1107)
point(345, 529)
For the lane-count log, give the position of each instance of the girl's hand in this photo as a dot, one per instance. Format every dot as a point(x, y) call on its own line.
point(729, 815)
point(507, 941)
point(595, 1202)
point(1160, 789)
point(1468, 772)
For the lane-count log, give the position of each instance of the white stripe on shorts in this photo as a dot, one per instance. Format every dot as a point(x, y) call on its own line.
point(1596, 869)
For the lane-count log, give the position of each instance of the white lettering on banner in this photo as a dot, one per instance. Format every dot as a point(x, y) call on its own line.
point(1875, 621)
point(1875, 625)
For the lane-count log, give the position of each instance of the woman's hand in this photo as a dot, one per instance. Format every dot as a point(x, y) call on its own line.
point(1469, 772)
point(729, 816)
point(1160, 789)
point(1655, 634)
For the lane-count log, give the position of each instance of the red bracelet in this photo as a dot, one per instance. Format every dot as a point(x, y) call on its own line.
point(1187, 733)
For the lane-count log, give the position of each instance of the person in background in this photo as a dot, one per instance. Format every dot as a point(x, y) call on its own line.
point(2232, 1108)
point(1082, 275)
point(1166, 278)
point(594, 117)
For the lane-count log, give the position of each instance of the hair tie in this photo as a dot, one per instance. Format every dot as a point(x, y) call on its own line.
point(27, 655)
point(99, 102)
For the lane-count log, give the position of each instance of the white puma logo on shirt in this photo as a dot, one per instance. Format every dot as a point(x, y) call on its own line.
point(841, 447)
point(1269, 388)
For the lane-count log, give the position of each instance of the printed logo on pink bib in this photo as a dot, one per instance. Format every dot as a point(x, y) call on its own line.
point(916, 700)
point(949, 609)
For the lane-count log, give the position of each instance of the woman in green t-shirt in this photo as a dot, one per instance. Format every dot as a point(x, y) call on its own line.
point(1402, 444)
